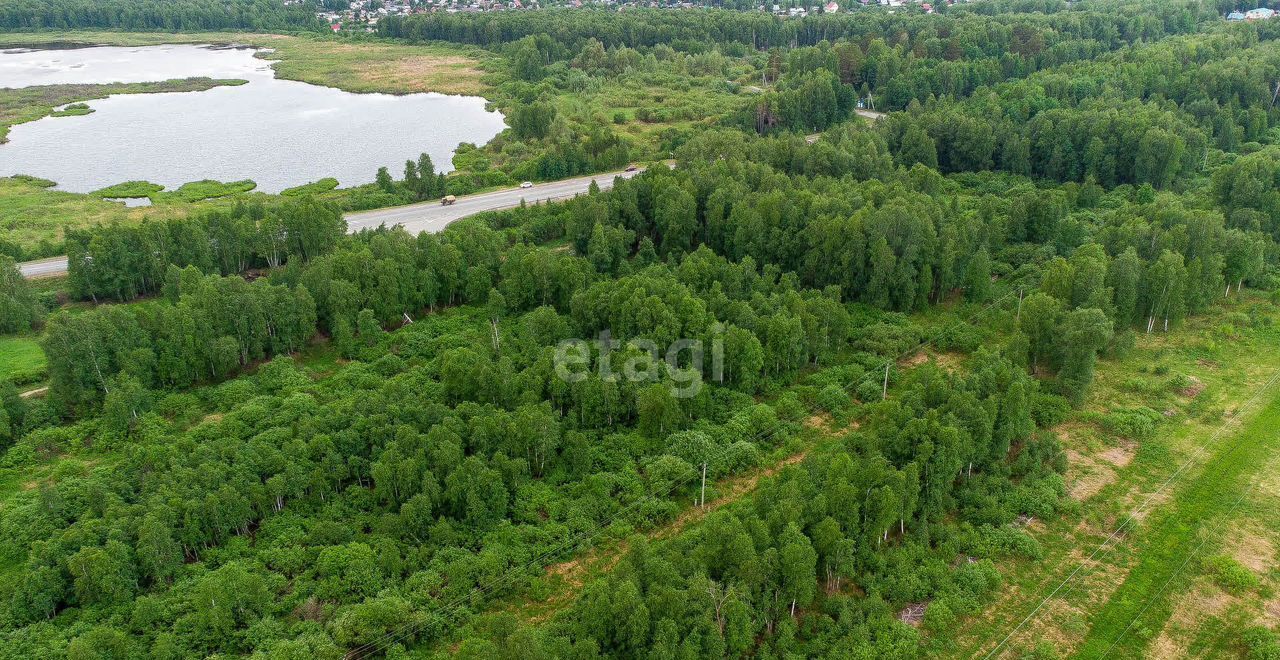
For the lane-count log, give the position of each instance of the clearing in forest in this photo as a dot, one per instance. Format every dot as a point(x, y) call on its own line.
point(1191, 572)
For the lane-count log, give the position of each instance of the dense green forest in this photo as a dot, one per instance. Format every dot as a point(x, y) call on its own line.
point(1122, 94)
point(265, 437)
point(171, 15)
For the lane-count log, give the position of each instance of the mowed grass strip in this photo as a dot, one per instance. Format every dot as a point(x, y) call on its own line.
point(1163, 544)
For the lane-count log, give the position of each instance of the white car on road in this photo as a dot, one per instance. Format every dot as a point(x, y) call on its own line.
point(527, 184)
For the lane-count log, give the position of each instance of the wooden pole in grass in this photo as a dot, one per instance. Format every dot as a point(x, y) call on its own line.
point(704, 486)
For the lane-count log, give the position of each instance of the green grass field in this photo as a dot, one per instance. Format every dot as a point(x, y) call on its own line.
point(651, 103)
point(1205, 383)
point(22, 360)
point(32, 212)
point(1195, 517)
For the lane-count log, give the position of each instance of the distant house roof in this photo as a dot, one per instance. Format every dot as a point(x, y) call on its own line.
point(831, 8)
point(1259, 13)
point(1235, 16)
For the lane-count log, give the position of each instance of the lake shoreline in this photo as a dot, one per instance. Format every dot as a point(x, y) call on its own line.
point(304, 132)
point(375, 66)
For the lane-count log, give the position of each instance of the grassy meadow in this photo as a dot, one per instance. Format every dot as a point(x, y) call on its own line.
point(1199, 403)
point(35, 216)
point(22, 360)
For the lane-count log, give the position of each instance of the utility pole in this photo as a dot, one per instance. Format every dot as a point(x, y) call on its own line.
point(884, 394)
point(1017, 318)
point(704, 487)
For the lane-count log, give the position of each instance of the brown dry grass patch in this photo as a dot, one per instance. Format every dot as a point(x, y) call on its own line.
point(1271, 613)
point(449, 74)
point(1119, 456)
point(1253, 550)
point(1191, 612)
point(949, 362)
point(1269, 485)
point(1194, 389)
point(914, 360)
point(945, 361)
point(1086, 476)
point(1064, 619)
point(380, 68)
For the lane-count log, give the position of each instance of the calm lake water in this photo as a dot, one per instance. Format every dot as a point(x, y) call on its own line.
point(279, 133)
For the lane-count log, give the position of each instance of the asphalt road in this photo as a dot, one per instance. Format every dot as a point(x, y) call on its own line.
point(44, 267)
point(434, 216)
point(416, 218)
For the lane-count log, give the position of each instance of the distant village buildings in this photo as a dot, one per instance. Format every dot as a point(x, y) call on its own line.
point(365, 14)
point(1259, 14)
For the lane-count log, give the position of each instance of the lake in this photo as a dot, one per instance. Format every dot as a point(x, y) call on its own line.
point(279, 133)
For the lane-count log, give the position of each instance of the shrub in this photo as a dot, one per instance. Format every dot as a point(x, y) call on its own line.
point(870, 391)
point(1134, 424)
point(1229, 574)
point(130, 189)
point(885, 339)
point(1039, 499)
point(789, 407)
point(963, 337)
point(740, 456)
point(1260, 644)
point(1131, 423)
point(1049, 410)
point(980, 578)
point(1121, 345)
point(833, 399)
point(206, 189)
point(1004, 541)
point(1139, 385)
point(314, 188)
point(48, 300)
point(938, 616)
